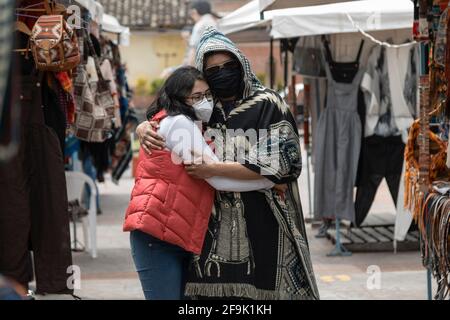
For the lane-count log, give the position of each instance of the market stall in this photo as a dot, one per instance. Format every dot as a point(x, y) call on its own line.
point(383, 21)
point(386, 27)
point(427, 154)
point(75, 90)
point(346, 28)
point(299, 30)
point(422, 185)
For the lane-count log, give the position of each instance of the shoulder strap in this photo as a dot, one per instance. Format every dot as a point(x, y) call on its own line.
point(328, 54)
point(95, 56)
point(360, 50)
point(49, 6)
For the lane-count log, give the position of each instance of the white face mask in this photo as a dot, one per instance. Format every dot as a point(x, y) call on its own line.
point(203, 110)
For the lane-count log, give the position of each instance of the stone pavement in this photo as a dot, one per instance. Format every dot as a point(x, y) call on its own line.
point(112, 275)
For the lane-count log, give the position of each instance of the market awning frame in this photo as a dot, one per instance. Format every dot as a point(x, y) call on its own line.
point(368, 15)
point(267, 5)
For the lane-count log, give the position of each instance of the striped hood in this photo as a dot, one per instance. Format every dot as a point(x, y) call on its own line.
point(213, 40)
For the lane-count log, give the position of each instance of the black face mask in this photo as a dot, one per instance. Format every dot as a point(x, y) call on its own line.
point(226, 83)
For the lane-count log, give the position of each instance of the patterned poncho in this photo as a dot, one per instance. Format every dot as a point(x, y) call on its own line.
point(256, 245)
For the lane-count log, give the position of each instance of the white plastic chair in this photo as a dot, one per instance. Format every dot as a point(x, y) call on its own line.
point(75, 187)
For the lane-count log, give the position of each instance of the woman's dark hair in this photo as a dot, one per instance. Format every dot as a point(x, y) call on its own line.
point(172, 96)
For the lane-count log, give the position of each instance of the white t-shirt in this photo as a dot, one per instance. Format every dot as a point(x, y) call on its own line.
point(183, 137)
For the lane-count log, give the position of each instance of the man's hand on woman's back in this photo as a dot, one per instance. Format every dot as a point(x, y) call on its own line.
point(148, 136)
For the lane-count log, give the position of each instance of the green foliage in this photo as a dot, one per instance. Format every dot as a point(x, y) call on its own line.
point(141, 87)
point(261, 77)
point(145, 88)
point(280, 86)
point(156, 85)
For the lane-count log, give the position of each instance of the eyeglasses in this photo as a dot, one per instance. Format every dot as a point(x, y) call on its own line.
point(230, 64)
point(197, 97)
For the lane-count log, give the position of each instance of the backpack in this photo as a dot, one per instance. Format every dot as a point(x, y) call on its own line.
point(54, 44)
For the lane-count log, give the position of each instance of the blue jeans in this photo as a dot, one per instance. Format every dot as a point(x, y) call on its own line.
point(161, 266)
point(8, 294)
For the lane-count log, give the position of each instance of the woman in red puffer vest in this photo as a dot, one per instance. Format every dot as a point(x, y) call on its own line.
point(169, 210)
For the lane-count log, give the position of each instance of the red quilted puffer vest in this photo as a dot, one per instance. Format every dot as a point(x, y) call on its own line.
point(167, 203)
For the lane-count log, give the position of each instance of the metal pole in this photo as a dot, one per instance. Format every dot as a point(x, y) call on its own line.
point(429, 285)
point(307, 140)
point(308, 175)
point(286, 70)
point(74, 224)
point(294, 97)
point(271, 62)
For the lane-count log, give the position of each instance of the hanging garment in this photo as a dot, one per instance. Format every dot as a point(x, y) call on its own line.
point(344, 72)
point(338, 142)
point(403, 216)
point(390, 88)
point(33, 202)
point(109, 75)
point(382, 157)
point(124, 91)
point(101, 156)
point(318, 100)
point(54, 109)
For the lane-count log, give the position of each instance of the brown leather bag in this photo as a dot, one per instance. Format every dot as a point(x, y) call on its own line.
point(54, 44)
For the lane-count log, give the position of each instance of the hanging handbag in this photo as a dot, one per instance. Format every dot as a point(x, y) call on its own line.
point(54, 44)
point(308, 58)
point(94, 103)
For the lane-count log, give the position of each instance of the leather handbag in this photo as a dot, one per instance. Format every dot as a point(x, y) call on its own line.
point(54, 44)
point(94, 104)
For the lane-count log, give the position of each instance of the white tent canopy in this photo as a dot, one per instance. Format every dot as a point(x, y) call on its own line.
point(108, 22)
point(112, 25)
point(88, 4)
point(94, 8)
point(369, 15)
point(125, 37)
point(266, 5)
point(244, 18)
point(245, 24)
